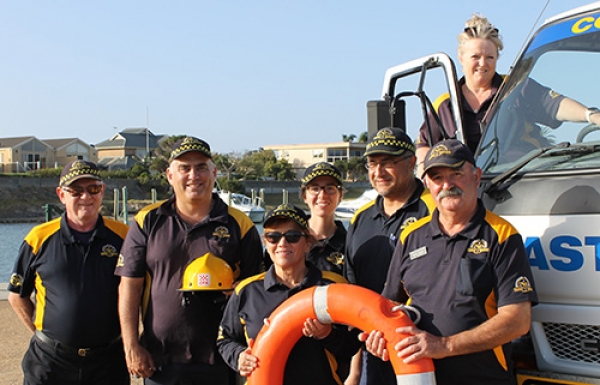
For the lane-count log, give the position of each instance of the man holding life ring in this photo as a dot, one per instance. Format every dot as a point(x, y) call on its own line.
point(466, 270)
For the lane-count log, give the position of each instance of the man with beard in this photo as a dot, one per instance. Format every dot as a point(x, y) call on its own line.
point(375, 227)
point(466, 271)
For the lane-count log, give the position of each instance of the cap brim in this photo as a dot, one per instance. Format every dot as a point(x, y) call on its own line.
point(376, 151)
point(441, 164)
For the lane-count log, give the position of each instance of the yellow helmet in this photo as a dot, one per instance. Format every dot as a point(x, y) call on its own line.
point(207, 272)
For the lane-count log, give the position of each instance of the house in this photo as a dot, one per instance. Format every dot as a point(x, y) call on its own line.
point(69, 149)
point(300, 156)
point(127, 147)
point(23, 154)
point(29, 153)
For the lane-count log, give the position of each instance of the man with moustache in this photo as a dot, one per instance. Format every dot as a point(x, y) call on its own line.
point(466, 271)
point(375, 227)
point(178, 345)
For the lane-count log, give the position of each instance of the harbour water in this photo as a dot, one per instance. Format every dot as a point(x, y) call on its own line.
point(11, 237)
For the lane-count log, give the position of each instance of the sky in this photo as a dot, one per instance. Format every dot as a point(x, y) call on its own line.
point(239, 74)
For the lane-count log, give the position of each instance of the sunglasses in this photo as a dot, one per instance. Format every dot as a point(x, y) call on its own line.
point(290, 236)
point(77, 191)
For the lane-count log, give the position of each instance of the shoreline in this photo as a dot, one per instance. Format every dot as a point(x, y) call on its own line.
point(3, 291)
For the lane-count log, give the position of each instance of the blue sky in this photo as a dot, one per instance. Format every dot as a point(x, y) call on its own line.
point(239, 74)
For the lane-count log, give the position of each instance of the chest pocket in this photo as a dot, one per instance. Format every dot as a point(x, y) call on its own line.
point(474, 276)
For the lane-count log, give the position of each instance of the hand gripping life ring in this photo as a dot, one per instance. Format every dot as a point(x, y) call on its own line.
point(336, 303)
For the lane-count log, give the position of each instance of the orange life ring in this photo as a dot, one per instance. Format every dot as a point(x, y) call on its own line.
point(336, 303)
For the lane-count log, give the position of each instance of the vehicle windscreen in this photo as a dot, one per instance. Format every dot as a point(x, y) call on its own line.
point(526, 132)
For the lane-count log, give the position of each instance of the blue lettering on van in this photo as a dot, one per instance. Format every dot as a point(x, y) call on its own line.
point(565, 253)
point(594, 241)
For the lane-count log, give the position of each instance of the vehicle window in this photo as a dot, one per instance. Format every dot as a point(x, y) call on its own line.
point(521, 123)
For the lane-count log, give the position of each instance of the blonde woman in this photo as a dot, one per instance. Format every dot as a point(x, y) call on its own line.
point(479, 46)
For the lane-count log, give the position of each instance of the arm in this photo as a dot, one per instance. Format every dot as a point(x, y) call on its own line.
point(512, 321)
point(23, 307)
point(355, 369)
point(421, 152)
point(571, 110)
point(138, 359)
point(231, 341)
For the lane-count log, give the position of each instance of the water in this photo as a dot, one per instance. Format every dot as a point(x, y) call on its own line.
point(11, 237)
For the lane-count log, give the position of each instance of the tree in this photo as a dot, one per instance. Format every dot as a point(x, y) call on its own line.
point(280, 170)
point(348, 138)
point(342, 165)
point(162, 153)
point(363, 137)
point(227, 163)
point(356, 168)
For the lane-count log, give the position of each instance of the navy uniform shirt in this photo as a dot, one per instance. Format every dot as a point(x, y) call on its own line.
point(533, 104)
point(458, 282)
point(328, 254)
point(74, 282)
point(311, 361)
point(178, 327)
point(372, 237)
point(471, 119)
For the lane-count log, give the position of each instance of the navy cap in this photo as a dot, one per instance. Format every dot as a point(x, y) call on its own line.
point(321, 169)
point(390, 141)
point(187, 144)
point(447, 153)
point(288, 211)
point(78, 169)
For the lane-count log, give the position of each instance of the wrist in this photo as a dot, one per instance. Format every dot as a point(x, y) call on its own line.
point(589, 112)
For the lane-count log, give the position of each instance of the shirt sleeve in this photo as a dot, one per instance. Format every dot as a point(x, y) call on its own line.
point(231, 340)
point(252, 254)
point(23, 273)
point(132, 259)
point(513, 273)
point(445, 114)
point(540, 103)
point(348, 267)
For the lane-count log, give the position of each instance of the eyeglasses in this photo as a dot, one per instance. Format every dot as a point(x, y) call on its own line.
point(329, 189)
point(77, 191)
point(290, 236)
point(387, 164)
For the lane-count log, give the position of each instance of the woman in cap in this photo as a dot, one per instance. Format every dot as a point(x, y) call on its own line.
point(322, 191)
point(313, 360)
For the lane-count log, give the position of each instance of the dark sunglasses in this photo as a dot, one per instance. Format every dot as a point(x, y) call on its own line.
point(77, 191)
point(290, 236)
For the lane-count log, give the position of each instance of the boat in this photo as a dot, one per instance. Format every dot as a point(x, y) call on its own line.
point(253, 209)
point(347, 208)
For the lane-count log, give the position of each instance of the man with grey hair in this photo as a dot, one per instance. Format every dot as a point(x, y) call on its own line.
point(466, 271)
